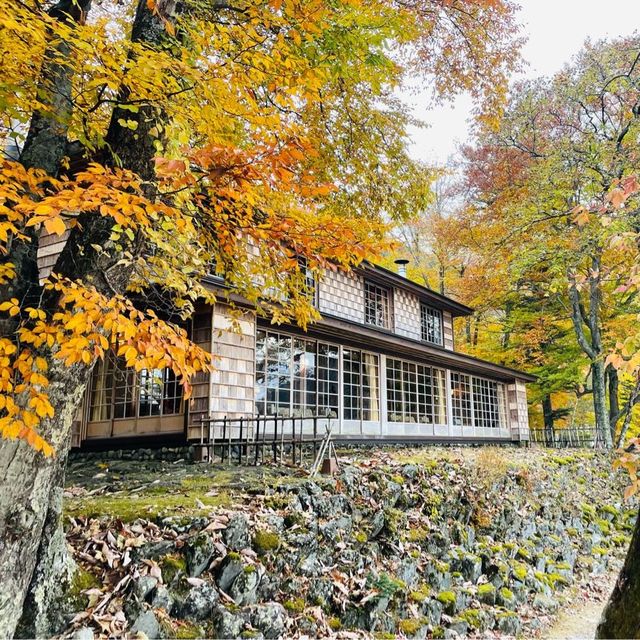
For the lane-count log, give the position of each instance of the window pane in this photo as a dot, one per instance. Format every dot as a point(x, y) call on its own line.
point(461, 399)
point(439, 396)
point(431, 324)
point(394, 390)
point(425, 395)
point(489, 406)
point(102, 389)
point(124, 392)
point(351, 384)
point(171, 394)
point(370, 386)
point(377, 309)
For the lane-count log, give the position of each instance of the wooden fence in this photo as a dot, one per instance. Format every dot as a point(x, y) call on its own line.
point(254, 440)
point(568, 437)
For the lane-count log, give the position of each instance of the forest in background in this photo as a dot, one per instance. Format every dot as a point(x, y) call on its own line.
point(535, 225)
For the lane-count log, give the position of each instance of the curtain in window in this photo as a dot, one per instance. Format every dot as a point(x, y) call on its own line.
point(101, 390)
point(370, 385)
point(439, 395)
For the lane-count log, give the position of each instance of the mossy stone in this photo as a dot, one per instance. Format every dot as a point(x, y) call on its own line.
point(487, 593)
point(448, 601)
point(265, 541)
point(411, 626)
point(295, 605)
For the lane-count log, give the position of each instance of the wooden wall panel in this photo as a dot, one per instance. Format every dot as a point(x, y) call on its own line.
point(447, 321)
point(342, 295)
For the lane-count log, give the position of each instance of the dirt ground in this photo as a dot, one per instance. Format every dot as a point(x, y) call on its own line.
point(580, 619)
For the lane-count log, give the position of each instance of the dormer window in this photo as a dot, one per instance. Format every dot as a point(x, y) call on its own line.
point(431, 324)
point(377, 305)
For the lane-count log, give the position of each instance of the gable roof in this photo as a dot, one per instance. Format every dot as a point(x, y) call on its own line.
point(389, 277)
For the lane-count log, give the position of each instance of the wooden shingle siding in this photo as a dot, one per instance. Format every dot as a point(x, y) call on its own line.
point(232, 382)
point(447, 322)
point(342, 295)
point(200, 397)
point(407, 314)
point(49, 247)
point(518, 411)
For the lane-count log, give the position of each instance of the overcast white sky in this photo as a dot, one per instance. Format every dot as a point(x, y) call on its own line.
point(556, 30)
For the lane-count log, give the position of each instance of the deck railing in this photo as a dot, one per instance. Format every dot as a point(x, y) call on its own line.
point(571, 436)
point(254, 440)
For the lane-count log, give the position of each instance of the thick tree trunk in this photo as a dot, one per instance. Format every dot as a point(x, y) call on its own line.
point(613, 384)
point(43, 612)
point(621, 617)
point(547, 412)
point(33, 563)
point(30, 485)
point(600, 403)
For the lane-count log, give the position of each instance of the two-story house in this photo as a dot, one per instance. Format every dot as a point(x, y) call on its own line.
point(380, 364)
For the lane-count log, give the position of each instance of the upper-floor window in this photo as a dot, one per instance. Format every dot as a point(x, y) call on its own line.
point(431, 320)
point(377, 305)
point(310, 284)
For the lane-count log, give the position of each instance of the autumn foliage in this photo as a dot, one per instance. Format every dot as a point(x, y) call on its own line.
point(163, 142)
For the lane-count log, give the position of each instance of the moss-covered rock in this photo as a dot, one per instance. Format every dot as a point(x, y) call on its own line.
point(448, 600)
point(410, 627)
point(265, 542)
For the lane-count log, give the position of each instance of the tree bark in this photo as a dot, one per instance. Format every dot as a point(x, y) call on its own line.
point(591, 342)
point(32, 544)
point(621, 617)
point(30, 485)
point(547, 412)
point(613, 384)
point(600, 402)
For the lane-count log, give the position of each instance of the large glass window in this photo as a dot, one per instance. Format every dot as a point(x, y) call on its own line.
point(304, 377)
point(377, 305)
point(461, 399)
point(360, 385)
point(431, 324)
point(295, 377)
point(328, 382)
point(478, 402)
point(415, 393)
point(120, 392)
point(489, 404)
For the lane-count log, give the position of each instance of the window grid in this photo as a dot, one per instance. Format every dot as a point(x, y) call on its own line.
point(377, 306)
point(351, 374)
point(478, 402)
point(360, 371)
point(119, 392)
point(431, 324)
point(328, 380)
point(415, 393)
point(370, 387)
point(461, 400)
point(295, 377)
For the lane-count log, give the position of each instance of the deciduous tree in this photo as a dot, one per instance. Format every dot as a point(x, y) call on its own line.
point(160, 138)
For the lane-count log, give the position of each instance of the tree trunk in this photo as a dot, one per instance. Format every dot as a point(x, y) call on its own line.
point(33, 563)
point(441, 275)
point(30, 492)
point(621, 617)
point(600, 403)
point(547, 412)
point(613, 384)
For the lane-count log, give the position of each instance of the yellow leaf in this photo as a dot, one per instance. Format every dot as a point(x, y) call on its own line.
point(55, 225)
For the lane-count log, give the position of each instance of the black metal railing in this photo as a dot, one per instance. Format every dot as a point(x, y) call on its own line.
point(253, 440)
point(571, 436)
